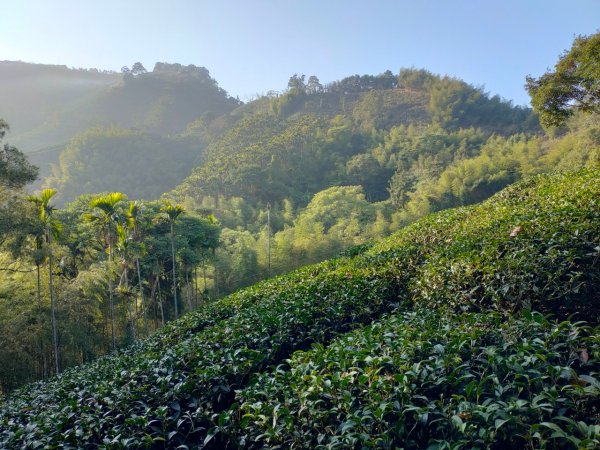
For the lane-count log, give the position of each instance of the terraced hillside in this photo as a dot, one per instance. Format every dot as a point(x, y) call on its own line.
point(428, 339)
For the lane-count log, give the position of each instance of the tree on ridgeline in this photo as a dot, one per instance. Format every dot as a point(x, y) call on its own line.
point(574, 85)
point(138, 69)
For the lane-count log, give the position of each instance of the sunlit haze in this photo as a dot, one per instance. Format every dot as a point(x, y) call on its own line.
point(251, 47)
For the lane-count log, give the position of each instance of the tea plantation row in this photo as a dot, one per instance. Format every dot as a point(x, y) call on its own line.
point(201, 381)
point(424, 380)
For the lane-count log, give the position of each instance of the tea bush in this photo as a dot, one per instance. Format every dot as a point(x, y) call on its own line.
point(425, 380)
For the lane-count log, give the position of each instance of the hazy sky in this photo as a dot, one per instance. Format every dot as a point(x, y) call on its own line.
point(252, 46)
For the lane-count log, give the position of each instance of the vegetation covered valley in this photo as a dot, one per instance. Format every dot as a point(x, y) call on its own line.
point(383, 261)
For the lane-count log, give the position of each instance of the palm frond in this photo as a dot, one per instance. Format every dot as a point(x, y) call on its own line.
point(43, 203)
point(107, 202)
point(46, 195)
point(172, 211)
point(132, 214)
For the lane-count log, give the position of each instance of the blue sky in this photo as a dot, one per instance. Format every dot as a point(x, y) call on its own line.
point(252, 46)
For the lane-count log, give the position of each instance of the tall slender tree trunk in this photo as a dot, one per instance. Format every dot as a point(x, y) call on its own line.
point(39, 289)
point(195, 287)
point(205, 291)
point(110, 295)
point(52, 302)
point(141, 288)
point(269, 240)
point(174, 279)
point(136, 308)
point(160, 306)
point(188, 288)
point(130, 307)
point(216, 282)
point(105, 331)
point(154, 307)
point(41, 343)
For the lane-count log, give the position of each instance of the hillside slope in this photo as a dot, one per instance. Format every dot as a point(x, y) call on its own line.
point(307, 139)
point(33, 96)
point(280, 147)
point(47, 105)
point(66, 120)
point(144, 165)
point(534, 245)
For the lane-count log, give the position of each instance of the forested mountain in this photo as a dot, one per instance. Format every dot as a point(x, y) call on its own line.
point(48, 105)
point(294, 144)
point(67, 121)
point(313, 136)
point(162, 101)
point(145, 165)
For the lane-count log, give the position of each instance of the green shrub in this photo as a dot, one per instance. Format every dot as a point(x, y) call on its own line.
point(425, 380)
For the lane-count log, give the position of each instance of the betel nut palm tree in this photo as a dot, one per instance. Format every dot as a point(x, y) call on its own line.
point(105, 216)
point(171, 213)
point(51, 228)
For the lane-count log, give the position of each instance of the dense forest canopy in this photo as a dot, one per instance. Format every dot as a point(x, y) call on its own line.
point(179, 106)
point(319, 130)
point(145, 165)
point(15, 169)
